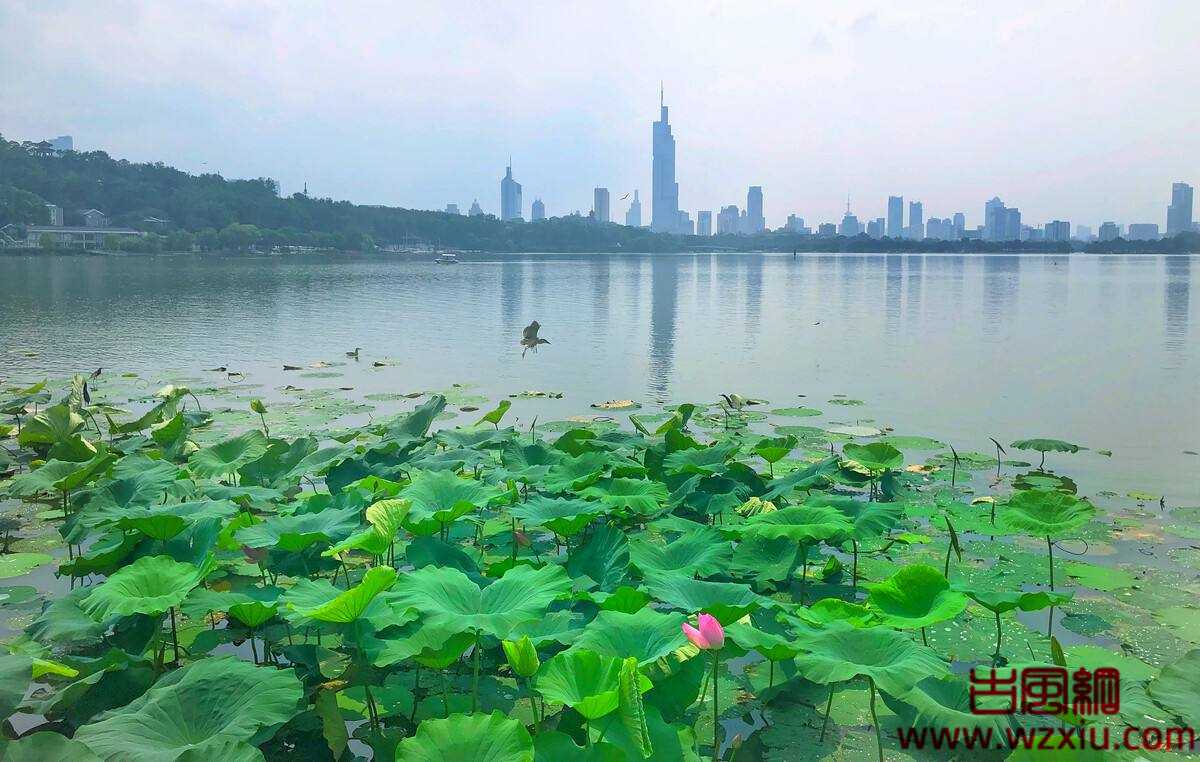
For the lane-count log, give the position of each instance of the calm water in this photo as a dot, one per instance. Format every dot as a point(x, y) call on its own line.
point(1097, 350)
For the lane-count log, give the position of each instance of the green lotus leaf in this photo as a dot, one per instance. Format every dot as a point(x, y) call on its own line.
point(1001, 602)
point(1044, 514)
point(54, 425)
point(727, 601)
point(350, 605)
point(1046, 445)
point(869, 519)
point(667, 742)
point(575, 473)
point(297, 532)
point(285, 462)
point(225, 458)
point(435, 646)
point(387, 516)
point(1107, 578)
point(765, 560)
point(943, 703)
point(44, 746)
point(872, 459)
point(804, 524)
point(1177, 688)
point(468, 738)
point(796, 412)
point(201, 704)
point(368, 541)
point(20, 564)
point(15, 674)
point(150, 585)
point(60, 475)
point(443, 497)
point(645, 634)
point(702, 552)
point(565, 517)
point(586, 681)
point(894, 661)
point(775, 449)
point(641, 497)
point(771, 646)
point(448, 597)
point(557, 626)
point(414, 425)
point(810, 477)
point(528, 463)
point(828, 611)
point(63, 624)
point(493, 416)
point(852, 430)
point(161, 522)
point(603, 558)
point(913, 443)
point(699, 460)
point(916, 596)
point(1090, 657)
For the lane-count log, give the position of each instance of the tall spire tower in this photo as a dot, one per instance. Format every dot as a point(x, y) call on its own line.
point(664, 212)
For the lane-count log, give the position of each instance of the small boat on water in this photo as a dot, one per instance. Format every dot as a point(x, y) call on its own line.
point(447, 258)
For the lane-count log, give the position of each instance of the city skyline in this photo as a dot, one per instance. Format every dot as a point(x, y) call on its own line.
point(997, 100)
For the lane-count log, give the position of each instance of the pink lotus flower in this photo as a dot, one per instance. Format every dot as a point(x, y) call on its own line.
point(709, 637)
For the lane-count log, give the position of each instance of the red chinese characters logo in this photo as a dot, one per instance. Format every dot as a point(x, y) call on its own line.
point(1046, 691)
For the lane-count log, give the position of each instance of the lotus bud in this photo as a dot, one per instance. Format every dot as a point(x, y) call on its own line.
point(522, 656)
point(254, 555)
point(522, 539)
point(710, 636)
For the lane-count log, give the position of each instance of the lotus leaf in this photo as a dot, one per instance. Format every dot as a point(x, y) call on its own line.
point(872, 459)
point(468, 738)
point(893, 661)
point(225, 458)
point(1177, 688)
point(585, 681)
point(447, 597)
point(641, 497)
point(645, 634)
point(914, 597)
point(351, 604)
point(199, 707)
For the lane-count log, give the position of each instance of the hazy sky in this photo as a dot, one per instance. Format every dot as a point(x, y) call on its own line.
point(1077, 110)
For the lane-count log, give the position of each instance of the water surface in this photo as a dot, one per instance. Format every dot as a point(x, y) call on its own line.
point(1097, 350)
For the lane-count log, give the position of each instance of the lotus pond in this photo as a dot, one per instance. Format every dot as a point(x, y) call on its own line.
point(203, 573)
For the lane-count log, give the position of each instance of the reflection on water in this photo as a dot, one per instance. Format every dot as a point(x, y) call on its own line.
point(1176, 305)
point(1096, 350)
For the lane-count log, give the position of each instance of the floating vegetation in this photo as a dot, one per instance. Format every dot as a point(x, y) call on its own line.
point(188, 580)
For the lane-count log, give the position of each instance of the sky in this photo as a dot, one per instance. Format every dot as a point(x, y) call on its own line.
point(1070, 109)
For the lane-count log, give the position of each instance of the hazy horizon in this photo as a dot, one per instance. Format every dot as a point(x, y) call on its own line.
point(1075, 111)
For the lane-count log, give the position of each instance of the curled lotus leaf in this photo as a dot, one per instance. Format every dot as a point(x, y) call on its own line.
point(916, 596)
point(150, 585)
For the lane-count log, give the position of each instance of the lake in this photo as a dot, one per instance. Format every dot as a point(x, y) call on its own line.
point(1099, 350)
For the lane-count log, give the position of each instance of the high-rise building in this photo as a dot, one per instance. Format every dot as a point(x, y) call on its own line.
point(1110, 231)
point(1058, 230)
point(1083, 232)
point(916, 220)
point(685, 225)
point(1179, 213)
point(1143, 231)
point(537, 211)
point(995, 220)
point(939, 229)
point(826, 230)
point(664, 212)
point(1012, 224)
point(704, 223)
point(475, 210)
point(795, 224)
point(960, 225)
point(895, 217)
point(728, 220)
point(600, 205)
point(876, 227)
point(755, 222)
point(850, 225)
point(633, 217)
point(510, 196)
point(452, 209)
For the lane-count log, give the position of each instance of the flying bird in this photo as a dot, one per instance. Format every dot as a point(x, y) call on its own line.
point(625, 197)
point(529, 338)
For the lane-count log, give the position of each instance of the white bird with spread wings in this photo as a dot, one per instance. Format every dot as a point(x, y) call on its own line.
point(529, 338)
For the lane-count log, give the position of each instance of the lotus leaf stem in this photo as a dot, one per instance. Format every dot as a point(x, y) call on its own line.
point(875, 720)
point(716, 725)
point(828, 709)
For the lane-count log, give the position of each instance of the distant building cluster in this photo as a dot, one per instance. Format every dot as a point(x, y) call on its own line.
point(1001, 222)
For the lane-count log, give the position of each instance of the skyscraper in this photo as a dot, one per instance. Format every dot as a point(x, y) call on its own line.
point(1179, 213)
point(1012, 224)
point(633, 218)
point(995, 220)
point(452, 209)
point(727, 220)
point(664, 213)
point(755, 222)
point(916, 220)
point(850, 225)
point(876, 227)
point(600, 205)
point(795, 223)
point(510, 196)
point(1083, 232)
point(1058, 230)
point(1110, 231)
point(704, 223)
point(960, 225)
point(895, 218)
point(537, 211)
point(1143, 231)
